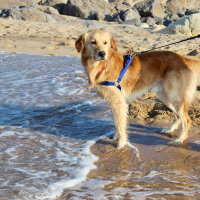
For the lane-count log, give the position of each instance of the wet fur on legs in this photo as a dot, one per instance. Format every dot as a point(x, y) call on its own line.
point(173, 77)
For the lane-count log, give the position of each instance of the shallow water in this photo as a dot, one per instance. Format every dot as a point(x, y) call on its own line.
point(48, 123)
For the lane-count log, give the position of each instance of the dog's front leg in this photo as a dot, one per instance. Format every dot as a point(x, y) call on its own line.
point(116, 135)
point(119, 109)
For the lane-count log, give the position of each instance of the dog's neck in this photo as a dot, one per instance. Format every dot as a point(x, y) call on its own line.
point(106, 64)
point(95, 69)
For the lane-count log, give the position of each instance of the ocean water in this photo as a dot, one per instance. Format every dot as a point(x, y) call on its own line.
point(49, 120)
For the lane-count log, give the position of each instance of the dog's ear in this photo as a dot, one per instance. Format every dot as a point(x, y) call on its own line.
point(113, 43)
point(80, 42)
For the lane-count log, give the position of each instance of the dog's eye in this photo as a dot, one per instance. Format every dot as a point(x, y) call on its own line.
point(105, 43)
point(93, 42)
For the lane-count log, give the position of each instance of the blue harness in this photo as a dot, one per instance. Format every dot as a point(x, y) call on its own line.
point(127, 61)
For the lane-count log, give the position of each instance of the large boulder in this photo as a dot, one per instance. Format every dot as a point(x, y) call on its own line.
point(74, 10)
point(7, 4)
point(151, 8)
point(86, 8)
point(188, 25)
point(181, 6)
point(130, 14)
point(41, 14)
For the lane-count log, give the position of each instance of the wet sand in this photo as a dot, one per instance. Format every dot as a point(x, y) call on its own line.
point(156, 169)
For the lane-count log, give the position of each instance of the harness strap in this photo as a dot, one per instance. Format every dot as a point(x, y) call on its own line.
point(127, 61)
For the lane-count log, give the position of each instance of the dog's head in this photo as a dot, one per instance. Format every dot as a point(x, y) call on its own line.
point(96, 44)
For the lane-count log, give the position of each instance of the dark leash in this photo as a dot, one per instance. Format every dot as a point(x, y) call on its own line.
point(191, 38)
point(128, 59)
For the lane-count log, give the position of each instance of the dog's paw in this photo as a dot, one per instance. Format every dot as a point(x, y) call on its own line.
point(179, 143)
point(168, 133)
point(121, 144)
point(176, 141)
point(165, 130)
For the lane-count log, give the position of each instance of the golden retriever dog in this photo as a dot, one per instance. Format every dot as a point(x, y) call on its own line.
point(173, 77)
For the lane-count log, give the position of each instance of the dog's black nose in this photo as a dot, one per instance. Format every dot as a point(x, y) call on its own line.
point(102, 54)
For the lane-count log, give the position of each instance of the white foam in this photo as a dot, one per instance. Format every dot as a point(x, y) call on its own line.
point(86, 164)
point(135, 148)
point(80, 173)
point(7, 133)
point(10, 150)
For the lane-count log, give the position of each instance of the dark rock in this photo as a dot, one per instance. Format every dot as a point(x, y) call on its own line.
point(180, 14)
point(73, 10)
point(94, 15)
point(60, 7)
point(109, 18)
point(192, 11)
point(118, 19)
point(170, 18)
point(194, 52)
point(167, 22)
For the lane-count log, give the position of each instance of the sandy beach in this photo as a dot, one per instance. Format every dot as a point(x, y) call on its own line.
point(142, 166)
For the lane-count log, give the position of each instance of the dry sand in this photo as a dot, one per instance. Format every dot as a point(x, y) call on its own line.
point(155, 152)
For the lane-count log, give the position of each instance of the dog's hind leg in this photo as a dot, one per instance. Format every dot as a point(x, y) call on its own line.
point(163, 97)
point(185, 122)
point(176, 123)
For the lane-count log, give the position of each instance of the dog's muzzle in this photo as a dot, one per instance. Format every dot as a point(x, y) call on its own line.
point(102, 55)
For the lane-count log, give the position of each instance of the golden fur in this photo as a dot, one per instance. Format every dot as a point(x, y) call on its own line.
point(173, 77)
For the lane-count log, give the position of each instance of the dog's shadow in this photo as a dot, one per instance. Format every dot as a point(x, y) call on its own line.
point(148, 135)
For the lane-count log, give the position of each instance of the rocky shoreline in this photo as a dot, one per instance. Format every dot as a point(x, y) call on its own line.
point(167, 16)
